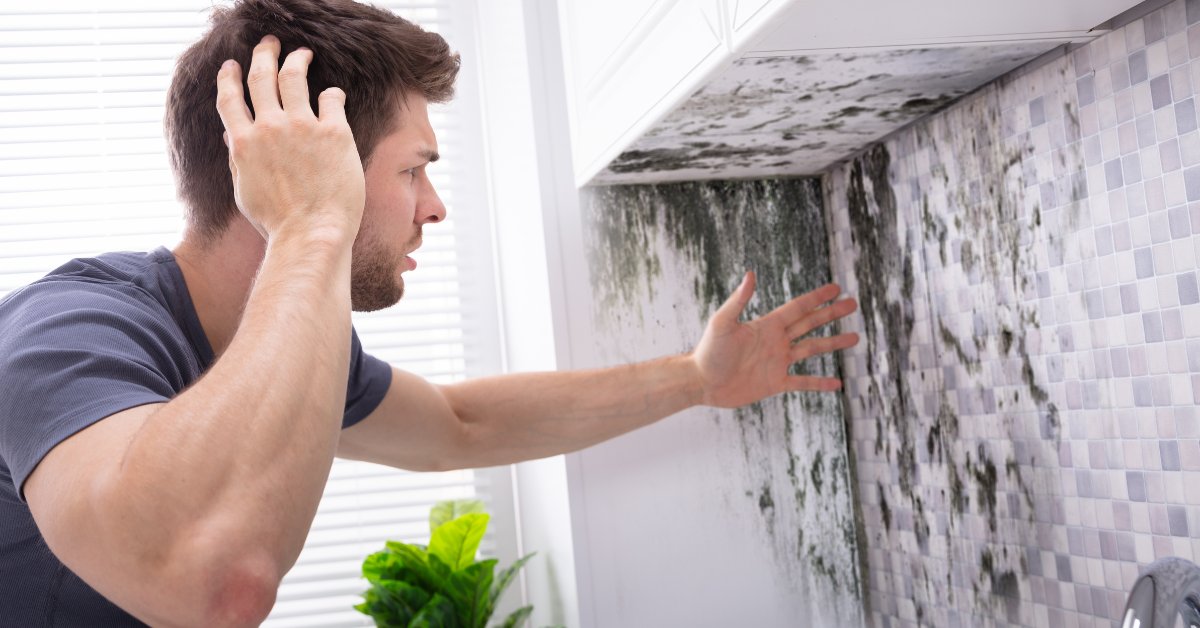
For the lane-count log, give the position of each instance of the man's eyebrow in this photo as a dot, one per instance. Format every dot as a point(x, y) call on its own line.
point(429, 154)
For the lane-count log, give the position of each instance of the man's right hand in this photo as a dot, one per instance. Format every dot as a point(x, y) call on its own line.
point(292, 169)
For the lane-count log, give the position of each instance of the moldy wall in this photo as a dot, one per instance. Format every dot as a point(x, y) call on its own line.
point(1023, 408)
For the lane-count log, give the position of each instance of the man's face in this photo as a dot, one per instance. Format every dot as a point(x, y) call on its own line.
point(400, 200)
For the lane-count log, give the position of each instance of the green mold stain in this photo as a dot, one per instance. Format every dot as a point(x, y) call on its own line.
point(816, 471)
point(718, 230)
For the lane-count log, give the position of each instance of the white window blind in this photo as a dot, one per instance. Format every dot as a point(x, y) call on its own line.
point(83, 170)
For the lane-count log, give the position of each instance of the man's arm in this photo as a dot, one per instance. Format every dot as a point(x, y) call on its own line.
point(509, 418)
point(189, 512)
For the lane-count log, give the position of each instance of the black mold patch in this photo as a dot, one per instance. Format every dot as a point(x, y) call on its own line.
point(713, 157)
point(793, 446)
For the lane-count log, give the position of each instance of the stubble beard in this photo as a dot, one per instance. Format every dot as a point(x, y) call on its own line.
point(375, 283)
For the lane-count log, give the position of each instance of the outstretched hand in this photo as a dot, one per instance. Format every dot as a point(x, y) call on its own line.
point(743, 362)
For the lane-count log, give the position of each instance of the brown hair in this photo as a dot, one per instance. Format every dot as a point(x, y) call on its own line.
point(376, 57)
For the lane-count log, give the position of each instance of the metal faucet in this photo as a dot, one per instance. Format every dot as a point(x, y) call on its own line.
point(1167, 590)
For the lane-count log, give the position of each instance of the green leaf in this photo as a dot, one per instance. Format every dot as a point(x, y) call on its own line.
point(517, 617)
point(438, 613)
point(455, 542)
point(384, 565)
point(383, 610)
point(401, 600)
point(452, 509)
point(505, 578)
point(418, 564)
point(469, 590)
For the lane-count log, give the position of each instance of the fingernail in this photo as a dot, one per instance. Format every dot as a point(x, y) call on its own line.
point(228, 64)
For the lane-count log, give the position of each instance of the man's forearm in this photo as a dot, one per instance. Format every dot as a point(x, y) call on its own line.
point(516, 417)
point(237, 463)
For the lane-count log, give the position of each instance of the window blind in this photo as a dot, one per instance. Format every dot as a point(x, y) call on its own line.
point(83, 170)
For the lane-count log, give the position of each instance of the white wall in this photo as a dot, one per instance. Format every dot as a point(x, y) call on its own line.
point(529, 168)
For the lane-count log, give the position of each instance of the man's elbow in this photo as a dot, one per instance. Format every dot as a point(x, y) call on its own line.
point(244, 595)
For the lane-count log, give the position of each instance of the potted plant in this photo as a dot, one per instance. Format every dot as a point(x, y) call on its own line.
point(440, 585)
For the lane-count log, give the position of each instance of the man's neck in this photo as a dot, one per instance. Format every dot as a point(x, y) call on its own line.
point(219, 276)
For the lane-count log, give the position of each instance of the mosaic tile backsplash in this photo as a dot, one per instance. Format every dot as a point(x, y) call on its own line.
point(1023, 408)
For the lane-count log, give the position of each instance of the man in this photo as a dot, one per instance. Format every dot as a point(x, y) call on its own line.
point(168, 420)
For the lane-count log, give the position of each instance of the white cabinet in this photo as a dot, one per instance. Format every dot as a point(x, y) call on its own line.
point(629, 63)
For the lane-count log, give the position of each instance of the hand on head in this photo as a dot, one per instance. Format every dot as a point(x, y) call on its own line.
point(292, 168)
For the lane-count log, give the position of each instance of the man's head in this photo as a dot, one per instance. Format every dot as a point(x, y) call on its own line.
point(388, 67)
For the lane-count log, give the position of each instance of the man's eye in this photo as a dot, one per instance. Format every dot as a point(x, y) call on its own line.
point(412, 172)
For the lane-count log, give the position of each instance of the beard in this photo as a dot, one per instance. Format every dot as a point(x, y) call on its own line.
point(375, 283)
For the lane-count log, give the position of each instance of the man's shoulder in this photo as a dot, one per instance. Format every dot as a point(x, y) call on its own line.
point(122, 267)
point(106, 280)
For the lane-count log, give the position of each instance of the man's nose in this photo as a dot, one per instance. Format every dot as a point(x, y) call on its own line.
point(431, 208)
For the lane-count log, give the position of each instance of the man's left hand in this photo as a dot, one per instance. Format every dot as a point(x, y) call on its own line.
point(740, 363)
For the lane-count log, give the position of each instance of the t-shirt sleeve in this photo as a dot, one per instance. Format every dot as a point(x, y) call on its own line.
point(370, 378)
point(69, 358)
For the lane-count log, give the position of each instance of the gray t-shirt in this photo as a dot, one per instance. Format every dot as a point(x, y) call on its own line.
point(93, 338)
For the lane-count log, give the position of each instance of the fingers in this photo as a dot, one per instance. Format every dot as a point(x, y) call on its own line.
point(736, 303)
point(805, 303)
point(231, 101)
point(809, 382)
point(815, 346)
point(263, 78)
point(821, 316)
point(293, 81)
point(331, 105)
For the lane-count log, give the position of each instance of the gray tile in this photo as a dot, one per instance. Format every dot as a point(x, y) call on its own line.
point(1119, 357)
point(1185, 116)
point(1177, 516)
point(1075, 541)
point(1112, 174)
point(1095, 604)
point(1120, 75)
point(1193, 11)
point(1191, 180)
point(1095, 304)
point(1049, 200)
point(1181, 221)
point(1126, 549)
point(1086, 89)
point(1169, 452)
point(1120, 236)
point(1137, 361)
point(1137, 67)
point(1152, 324)
point(1189, 292)
point(1143, 261)
point(1037, 112)
point(1082, 60)
point(1154, 27)
point(1143, 392)
point(1135, 482)
point(1129, 298)
point(1122, 517)
point(1168, 153)
point(1160, 91)
point(1108, 545)
point(1145, 131)
point(1172, 324)
point(1193, 353)
point(1131, 169)
point(1062, 565)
